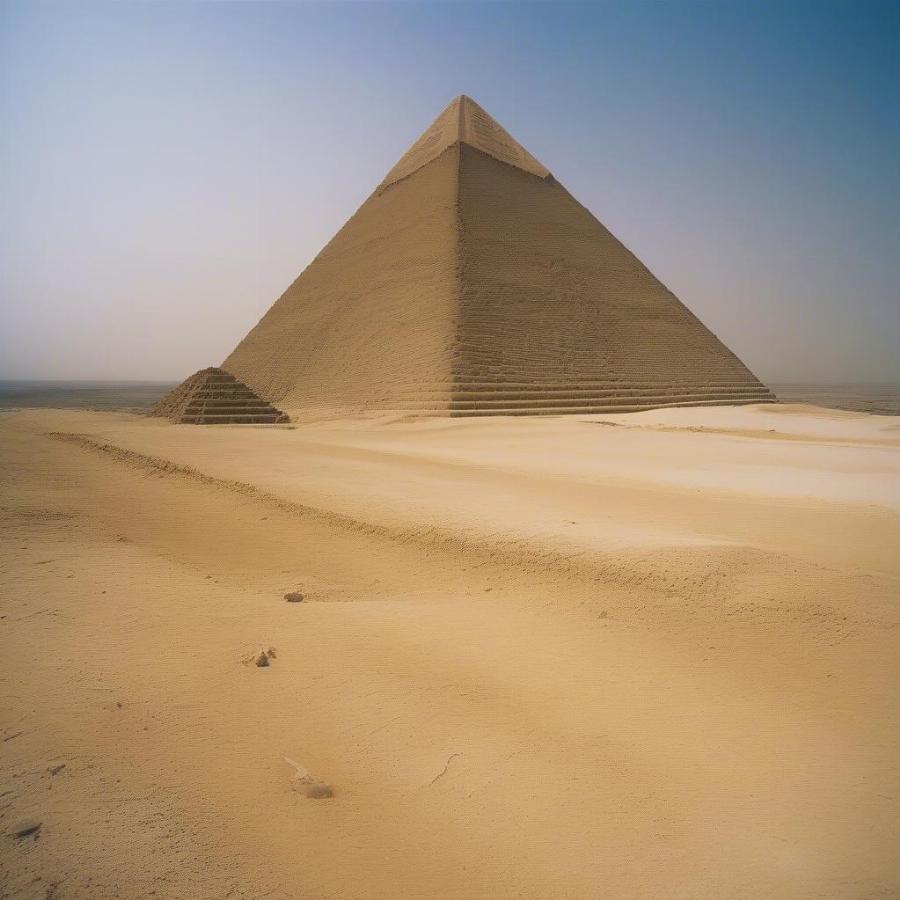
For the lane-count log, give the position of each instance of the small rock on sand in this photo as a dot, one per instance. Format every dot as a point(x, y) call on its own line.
point(318, 790)
point(24, 828)
point(294, 597)
point(263, 659)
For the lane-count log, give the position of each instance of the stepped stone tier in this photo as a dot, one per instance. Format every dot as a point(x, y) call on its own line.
point(214, 397)
point(472, 283)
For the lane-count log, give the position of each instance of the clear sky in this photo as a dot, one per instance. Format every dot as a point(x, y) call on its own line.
point(166, 170)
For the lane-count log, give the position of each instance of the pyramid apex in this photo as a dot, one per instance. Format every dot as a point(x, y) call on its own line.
point(464, 121)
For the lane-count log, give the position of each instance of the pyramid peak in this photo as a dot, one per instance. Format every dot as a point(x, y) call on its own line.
point(464, 121)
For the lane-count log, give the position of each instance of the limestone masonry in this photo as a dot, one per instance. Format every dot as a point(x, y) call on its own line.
point(214, 397)
point(472, 283)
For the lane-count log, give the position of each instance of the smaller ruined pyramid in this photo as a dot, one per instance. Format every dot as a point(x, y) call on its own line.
point(215, 397)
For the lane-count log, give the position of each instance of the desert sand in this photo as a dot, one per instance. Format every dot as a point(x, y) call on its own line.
point(649, 655)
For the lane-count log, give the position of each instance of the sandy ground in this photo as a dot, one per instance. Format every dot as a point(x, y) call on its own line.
point(633, 656)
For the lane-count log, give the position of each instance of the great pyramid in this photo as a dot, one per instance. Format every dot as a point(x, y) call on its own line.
point(472, 283)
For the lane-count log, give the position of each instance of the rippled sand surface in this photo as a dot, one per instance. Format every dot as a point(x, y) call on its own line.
point(649, 655)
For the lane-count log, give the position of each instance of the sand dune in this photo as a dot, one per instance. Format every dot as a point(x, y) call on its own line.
point(649, 655)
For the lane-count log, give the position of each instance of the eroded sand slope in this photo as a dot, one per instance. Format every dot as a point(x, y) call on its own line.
point(642, 656)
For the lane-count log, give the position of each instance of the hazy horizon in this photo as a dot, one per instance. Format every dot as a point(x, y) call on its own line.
point(168, 169)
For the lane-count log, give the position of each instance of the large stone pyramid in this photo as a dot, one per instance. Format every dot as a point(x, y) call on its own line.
point(472, 283)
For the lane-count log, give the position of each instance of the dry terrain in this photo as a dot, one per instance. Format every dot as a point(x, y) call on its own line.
point(643, 656)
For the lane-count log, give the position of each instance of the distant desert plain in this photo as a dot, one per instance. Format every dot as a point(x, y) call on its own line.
point(653, 655)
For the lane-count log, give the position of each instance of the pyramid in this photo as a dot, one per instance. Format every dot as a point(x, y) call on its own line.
point(214, 397)
point(472, 283)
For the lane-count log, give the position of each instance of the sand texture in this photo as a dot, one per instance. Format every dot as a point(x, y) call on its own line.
point(645, 656)
point(472, 283)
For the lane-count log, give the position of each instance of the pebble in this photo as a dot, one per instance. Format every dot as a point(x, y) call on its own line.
point(25, 827)
point(319, 790)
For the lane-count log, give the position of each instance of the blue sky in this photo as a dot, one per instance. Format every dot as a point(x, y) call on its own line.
point(166, 170)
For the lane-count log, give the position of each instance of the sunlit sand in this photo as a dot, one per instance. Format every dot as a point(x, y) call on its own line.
point(638, 655)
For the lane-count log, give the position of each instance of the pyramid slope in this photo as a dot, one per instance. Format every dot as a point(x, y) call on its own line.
point(373, 314)
point(472, 283)
point(214, 397)
point(556, 312)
